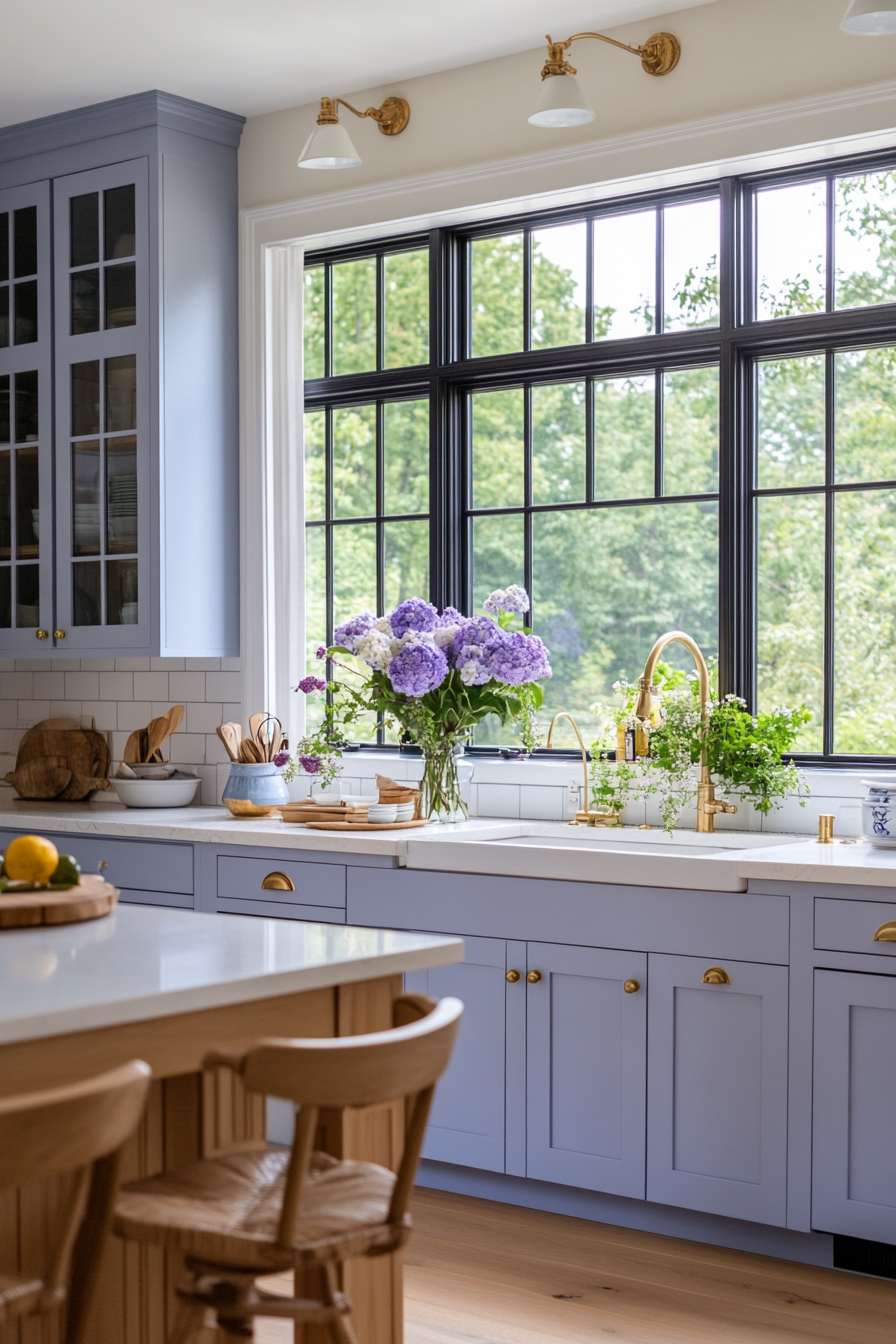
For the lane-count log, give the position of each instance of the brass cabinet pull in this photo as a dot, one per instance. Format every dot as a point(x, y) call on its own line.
point(41, 634)
point(278, 881)
point(512, 976)
point(632, 986)
point(534, 976)
point(716, 975)
point(59, 634)
point(886, 933)
point(102, 864)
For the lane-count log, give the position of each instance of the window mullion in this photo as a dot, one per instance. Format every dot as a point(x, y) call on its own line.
point(829, 555)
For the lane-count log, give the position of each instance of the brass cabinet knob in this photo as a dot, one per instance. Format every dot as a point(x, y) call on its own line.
point(59, 634)
point(102, 864)
point(278, 881)
point(716, 975)
point(632, 986)
point(886, 933)
point(41, 634)
point(534, 976)
point(512, 976)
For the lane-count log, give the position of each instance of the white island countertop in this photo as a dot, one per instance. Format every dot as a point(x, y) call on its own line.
point(857, 864)
point(141, 962)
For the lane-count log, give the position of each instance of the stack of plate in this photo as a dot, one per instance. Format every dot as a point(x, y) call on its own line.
point(86, 518)
point(123, 511)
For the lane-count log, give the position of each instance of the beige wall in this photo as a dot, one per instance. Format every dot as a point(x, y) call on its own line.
point(736, 55)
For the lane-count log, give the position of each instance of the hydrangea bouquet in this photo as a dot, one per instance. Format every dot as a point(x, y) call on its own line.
point(435, 674)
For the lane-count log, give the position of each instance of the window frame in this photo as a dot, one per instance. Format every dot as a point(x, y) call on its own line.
point(735, 345)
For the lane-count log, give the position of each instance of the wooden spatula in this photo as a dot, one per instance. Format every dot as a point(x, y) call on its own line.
point(226, 737)
point(135, 747)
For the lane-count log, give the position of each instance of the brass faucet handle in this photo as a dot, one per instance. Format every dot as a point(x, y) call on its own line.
point(715, 807)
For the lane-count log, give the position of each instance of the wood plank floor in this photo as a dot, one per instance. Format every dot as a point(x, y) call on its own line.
point(477, 1272)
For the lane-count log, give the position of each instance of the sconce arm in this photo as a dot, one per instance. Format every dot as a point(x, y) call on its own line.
point(659, 54)
point(391, 117)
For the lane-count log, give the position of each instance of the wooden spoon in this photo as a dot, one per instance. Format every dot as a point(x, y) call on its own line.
point(226, 738)
point(135, 747)
point(156, 733)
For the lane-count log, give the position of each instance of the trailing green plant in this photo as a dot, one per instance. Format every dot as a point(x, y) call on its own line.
point(745, 754)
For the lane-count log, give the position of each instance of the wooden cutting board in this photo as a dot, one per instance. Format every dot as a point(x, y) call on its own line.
point(362, 825)
point(90, 899)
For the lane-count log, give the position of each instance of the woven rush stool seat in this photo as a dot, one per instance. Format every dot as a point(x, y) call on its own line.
point(245, 1214)
point(227, 1210)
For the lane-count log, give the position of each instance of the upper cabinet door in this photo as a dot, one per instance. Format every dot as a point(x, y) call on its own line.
point(586, 1073)
point(853, 1153)
point(717, 1103)
point(104, 575)
point(26, 421)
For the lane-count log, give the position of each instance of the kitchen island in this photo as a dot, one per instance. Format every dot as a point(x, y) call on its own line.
point(167, 986)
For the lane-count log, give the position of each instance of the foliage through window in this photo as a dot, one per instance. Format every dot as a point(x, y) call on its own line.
point(669, 412)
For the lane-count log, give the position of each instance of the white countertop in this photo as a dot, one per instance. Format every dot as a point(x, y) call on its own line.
point(628, 856)
point(141, 962)
point(859, 865)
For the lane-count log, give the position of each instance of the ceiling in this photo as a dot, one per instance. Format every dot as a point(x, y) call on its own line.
point(255, 56)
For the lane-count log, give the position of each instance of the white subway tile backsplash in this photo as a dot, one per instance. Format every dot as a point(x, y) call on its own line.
point(231, 665)
point(166, 664)
point(184, 686)
point(499, 800)
point(116, 686)
point(134, 714)
point(95, 665)
point(32, 711)
point(203, 717)
point(64, 709)
point(202, 664)
point(17, 685)
point(215, 751)
point(49, 684)
point(31, 665)
point(190, 749)
point(82, 686)
point(539, 802)
point(103, 712)
point(150, 685)
point(132, 664)
point(221, 686)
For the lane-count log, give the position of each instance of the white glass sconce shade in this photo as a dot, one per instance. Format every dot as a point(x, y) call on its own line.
point(561, 103)
point(870, 18)
point(329, 146)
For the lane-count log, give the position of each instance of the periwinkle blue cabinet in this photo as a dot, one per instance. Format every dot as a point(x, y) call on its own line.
point(119, 469)
point(854, 1112)
point(586, 1068)
point(717, 1092)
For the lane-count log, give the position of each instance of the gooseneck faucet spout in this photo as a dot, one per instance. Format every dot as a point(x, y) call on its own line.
point(707, 806)
point(585, 816)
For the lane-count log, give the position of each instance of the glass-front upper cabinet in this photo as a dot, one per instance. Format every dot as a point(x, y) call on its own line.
point(26, 420)
point(102, 408)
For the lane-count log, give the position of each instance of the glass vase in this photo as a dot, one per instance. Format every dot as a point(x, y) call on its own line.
point(440, 798)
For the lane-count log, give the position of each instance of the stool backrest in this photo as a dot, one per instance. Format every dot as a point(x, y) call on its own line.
point(351, 1071)
point(78, 1128)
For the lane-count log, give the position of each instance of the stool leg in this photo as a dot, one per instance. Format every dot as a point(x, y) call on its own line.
point(188, 1321)
point(341, 1324)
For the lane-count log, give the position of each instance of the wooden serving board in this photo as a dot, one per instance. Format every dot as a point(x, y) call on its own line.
point(90, 899)
point(362, 825)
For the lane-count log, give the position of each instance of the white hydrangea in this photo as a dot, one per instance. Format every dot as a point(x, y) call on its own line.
point(377, 649)
point(384, 625)
point(443, 635)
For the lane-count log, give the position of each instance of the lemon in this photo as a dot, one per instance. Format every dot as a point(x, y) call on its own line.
point(31, 858)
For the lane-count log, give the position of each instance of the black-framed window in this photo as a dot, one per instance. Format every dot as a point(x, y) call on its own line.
point(670, 410)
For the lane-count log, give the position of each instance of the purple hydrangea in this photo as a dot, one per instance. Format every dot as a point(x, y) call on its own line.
point(514, 599)
point(450, 616)
point(310, 764)
point(280, 759)
point(415, 614)
point(309, 684)
point(418, 667)
point(519, 658)
point(321, 651)
point(347, 635)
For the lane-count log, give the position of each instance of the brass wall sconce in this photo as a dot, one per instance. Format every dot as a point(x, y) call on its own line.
point(562, 102)
point(329, 144)
point(870, 18)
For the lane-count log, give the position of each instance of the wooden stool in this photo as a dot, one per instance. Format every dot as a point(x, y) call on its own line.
point(243, 1215)
point(79, 1128)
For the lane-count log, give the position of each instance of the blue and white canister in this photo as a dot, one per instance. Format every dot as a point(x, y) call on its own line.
point(255, 790)
point(879, 812)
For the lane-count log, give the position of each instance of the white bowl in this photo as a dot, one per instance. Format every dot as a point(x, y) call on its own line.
point(156, 792)
point(382, 813)
point(405, 811)
point(152, 769)
point(331, 799)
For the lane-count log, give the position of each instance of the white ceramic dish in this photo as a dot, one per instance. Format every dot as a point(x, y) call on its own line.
point(176, 792)
point(157, 770)
point(330, 799)
point(382, 813)
point(405, 811)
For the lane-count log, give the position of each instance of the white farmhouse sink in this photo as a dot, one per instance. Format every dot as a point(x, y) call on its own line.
point(623, 856)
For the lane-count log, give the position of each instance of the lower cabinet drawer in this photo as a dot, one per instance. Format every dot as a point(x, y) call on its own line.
point(850, 926)
point(172, 899)
point(315, 914)
point(140, 865)
point(289, 884)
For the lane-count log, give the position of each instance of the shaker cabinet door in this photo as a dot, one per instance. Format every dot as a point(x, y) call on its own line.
point(717, 1100)
point(26, 421)
point(103, 410)
point(466, 1124)
point(585, 1079)
point(854, 1110)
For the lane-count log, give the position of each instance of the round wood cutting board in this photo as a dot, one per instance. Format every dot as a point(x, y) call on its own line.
point(90, 899)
